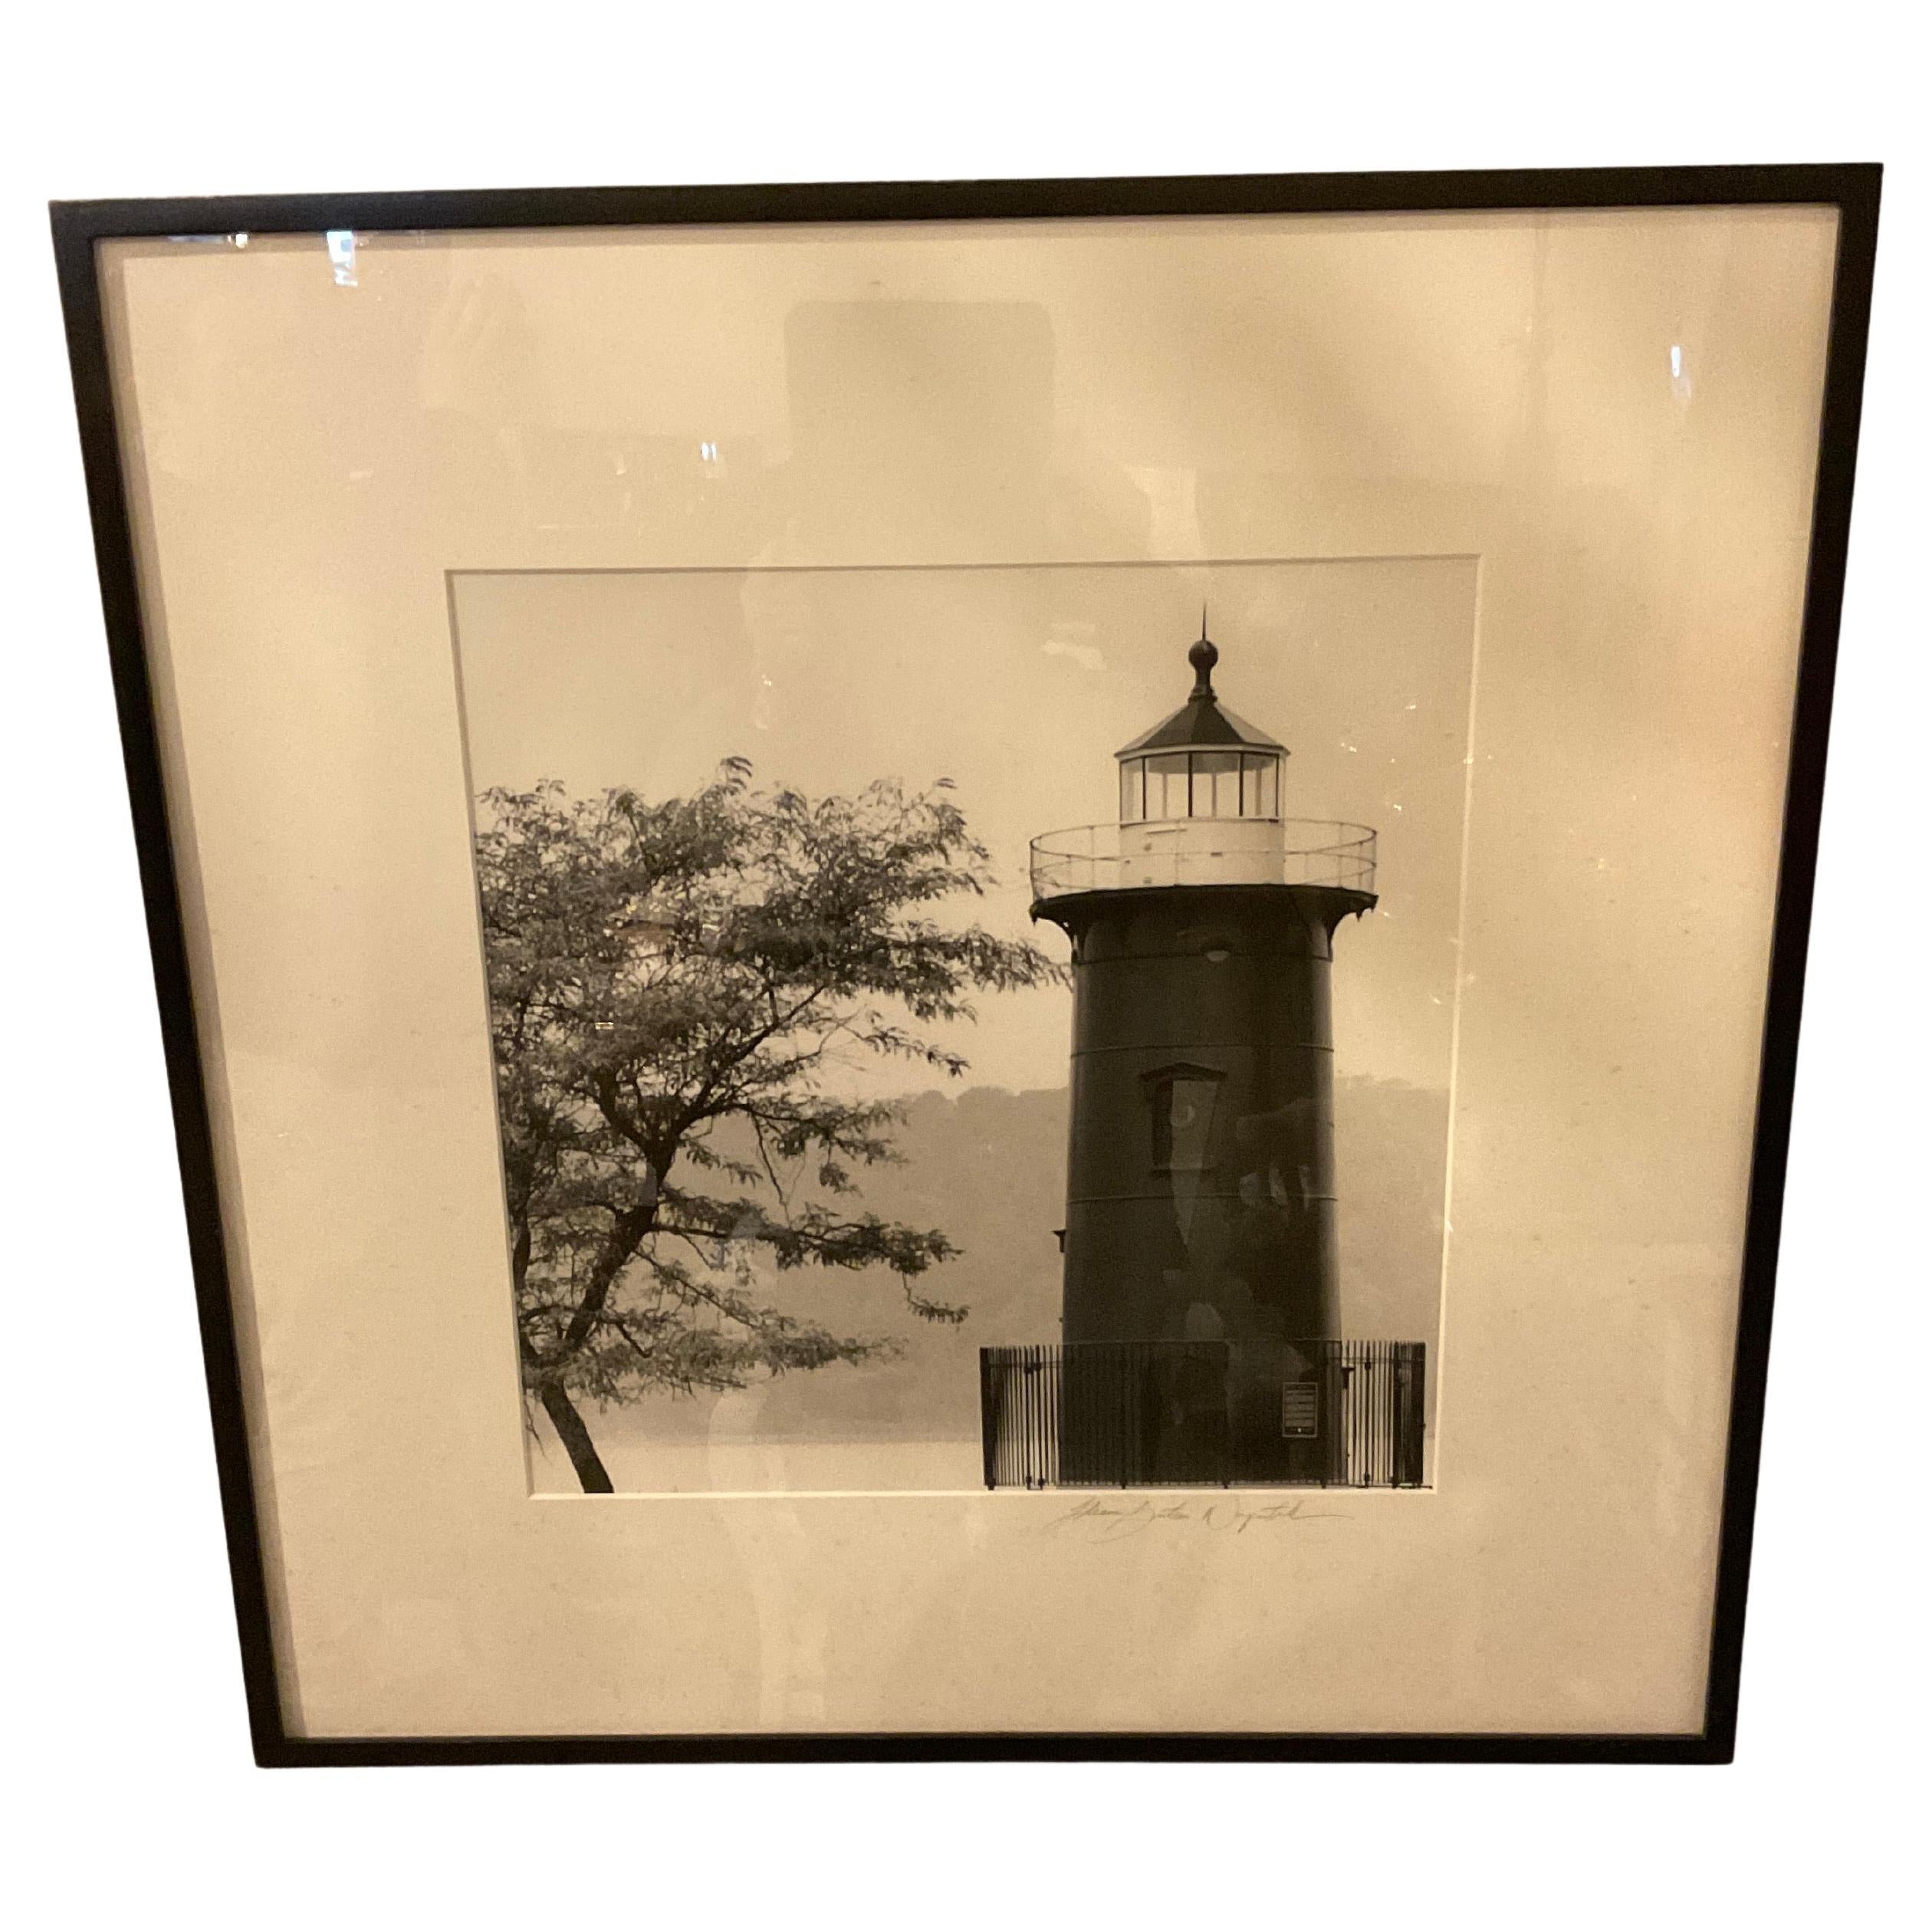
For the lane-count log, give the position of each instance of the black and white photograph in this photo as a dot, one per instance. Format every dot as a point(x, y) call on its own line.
point(866, 1127)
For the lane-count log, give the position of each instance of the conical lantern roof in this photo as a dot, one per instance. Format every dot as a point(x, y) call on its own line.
point(1203, 723)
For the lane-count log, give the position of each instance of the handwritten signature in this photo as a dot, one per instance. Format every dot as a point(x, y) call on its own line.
point(1098, 1520)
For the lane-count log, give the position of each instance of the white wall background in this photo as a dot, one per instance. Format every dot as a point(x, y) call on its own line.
point(126, 1728)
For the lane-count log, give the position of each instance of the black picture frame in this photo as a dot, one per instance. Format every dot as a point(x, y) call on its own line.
point(1853, 190)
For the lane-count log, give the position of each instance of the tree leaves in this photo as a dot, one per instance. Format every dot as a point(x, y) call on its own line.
point(673, 987)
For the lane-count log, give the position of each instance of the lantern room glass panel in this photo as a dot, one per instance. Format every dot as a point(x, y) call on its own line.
point(1216, 784)
point(1167, 786)
point(1132, 804)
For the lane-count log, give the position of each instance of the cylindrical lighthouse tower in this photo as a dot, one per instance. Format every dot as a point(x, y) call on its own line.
point(1201, 1170)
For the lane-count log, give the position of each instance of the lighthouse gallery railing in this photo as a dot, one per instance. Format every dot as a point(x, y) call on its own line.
point(1146, 1414)
point(1104, 858)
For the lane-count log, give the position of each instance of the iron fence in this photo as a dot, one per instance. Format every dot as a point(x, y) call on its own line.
point(1140, 1414)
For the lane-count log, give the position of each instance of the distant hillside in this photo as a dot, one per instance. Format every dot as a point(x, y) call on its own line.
point(989, 1167)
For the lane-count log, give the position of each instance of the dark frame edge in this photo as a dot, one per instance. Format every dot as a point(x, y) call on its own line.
point(1853, 189)
point(1842, 407)
point(1468, 191)
point(89, 365)
point(901, 1747)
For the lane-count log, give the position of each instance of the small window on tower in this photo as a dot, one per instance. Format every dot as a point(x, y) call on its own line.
point(1183, 1099)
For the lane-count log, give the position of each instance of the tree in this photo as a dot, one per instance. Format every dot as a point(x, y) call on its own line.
point(674, 989)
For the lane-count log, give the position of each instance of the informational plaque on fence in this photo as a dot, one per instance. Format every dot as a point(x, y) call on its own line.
point(969, 965)
point(1301, 1408)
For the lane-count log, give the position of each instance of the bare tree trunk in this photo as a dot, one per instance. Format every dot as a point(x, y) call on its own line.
point(576, 1438)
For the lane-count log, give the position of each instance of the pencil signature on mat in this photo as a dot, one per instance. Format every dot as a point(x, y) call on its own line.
point(1098, 1519)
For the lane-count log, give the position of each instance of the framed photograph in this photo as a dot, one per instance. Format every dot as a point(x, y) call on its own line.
point(997, 969)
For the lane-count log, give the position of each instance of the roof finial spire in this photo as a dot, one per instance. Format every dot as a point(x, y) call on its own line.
point(1203, 657)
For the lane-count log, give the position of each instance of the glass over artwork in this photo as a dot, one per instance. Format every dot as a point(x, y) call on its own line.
point(933, 960)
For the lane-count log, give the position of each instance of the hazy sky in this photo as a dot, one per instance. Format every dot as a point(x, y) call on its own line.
point(1018, 684)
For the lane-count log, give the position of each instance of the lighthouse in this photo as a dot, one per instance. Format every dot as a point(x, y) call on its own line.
point(1200, 1199)
point(1200, 1332)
